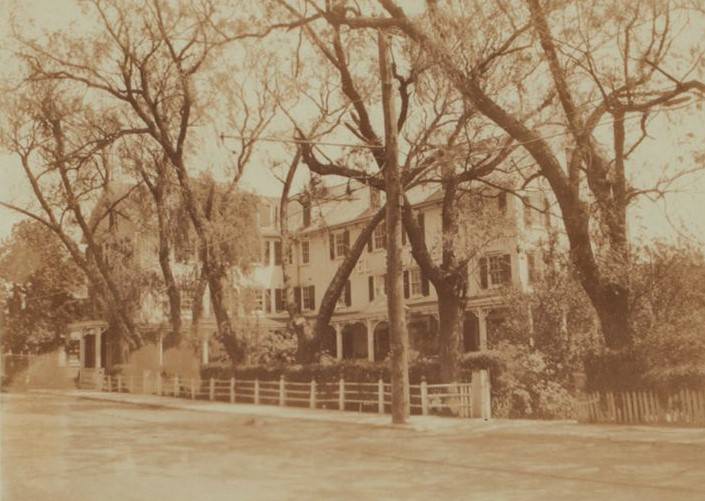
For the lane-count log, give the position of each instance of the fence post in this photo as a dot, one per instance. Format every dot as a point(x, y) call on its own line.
point(480, 388)
point(110, 384)
point(424, 396)
point(131, 384)
point(159, 384)
point(211, 389)
point(341, 394)
point(256, 391)
point(380, 396)
point(98, 382)
point(232, 390)
point(176, 385)
point(193, 389)
point(119, 383)
point(312, 395)
point(282, 391)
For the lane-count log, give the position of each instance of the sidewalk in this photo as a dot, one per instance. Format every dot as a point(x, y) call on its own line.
point(495, 427)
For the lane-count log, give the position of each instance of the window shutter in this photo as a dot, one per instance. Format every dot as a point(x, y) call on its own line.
point(313, 297)
point(422, 224)
point(424, 285)
point(348, 294)
point(507, 265)
point(266, 252)
point(331, 241)
point(483, 273)
point(297, 298)
point(406, 284)
point(278, 300)
point(346, 241)
point(371, 287)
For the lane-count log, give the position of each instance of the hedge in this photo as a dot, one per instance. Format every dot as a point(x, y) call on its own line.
point(356, 370)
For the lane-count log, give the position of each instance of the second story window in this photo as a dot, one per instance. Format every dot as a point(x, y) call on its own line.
point(339, 244)
point(277, 253)
point(495, 271)
point(380, 236)
point(305, 252)
point(266, 253)
point(345, 298)
point(265, 215)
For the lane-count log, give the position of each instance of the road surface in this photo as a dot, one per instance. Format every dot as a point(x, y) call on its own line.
point(60, 448)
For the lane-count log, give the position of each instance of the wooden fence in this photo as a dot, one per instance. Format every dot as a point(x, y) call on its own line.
point(684, 407)
point(457, 399)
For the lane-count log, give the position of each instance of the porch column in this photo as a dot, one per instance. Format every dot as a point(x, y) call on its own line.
point(204, 350)
point(98, 342)
point(160, 350)
point(338, 342)
point(482, 323)
point(82, 352)
point(370, 340)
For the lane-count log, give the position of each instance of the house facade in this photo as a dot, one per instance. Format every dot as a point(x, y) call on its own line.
point(323, 228)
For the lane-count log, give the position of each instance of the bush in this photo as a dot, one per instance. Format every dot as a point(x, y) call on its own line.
point(355, 370)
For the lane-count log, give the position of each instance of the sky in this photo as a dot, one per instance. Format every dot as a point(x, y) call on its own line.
point(672, 145)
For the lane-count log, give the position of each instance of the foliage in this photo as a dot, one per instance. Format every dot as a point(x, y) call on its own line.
point(41, 279)
point(356, 370)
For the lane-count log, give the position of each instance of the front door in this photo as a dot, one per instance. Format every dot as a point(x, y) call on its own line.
point(89, 351)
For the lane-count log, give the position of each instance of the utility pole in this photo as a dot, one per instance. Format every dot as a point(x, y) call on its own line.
point(395, 297)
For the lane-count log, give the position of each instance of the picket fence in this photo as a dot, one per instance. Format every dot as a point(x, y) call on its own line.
point(425, 399)
point(684, 407)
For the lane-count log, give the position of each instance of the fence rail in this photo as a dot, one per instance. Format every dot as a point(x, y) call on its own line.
point(456, 399)
point(684, 407)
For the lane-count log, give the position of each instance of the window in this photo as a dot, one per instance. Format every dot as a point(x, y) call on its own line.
point(380, 236)
point(267, 300)
point(339, 244)
point(309, 297)
point(533, 272)
point(265, 215)
point(265, 253)
point(305, 252)
point(533, 202)
point(495, 271)
point(277, 252)
point(415, 281)
point(377, 286)
point(345, 298)
point(279, 301)
point(307, 212)
point(186, 299)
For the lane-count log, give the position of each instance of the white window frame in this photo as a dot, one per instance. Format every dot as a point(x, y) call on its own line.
point(379, 237)
point(307, 298)
point(495, 267)
point(340, 248)
point(415, 282)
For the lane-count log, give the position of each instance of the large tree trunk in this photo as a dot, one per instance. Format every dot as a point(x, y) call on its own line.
point(451, 310)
